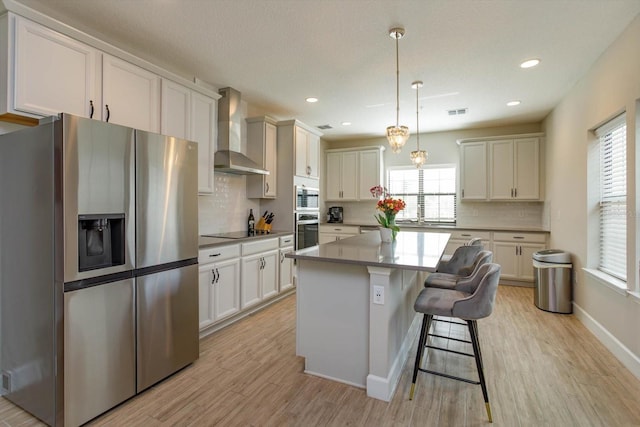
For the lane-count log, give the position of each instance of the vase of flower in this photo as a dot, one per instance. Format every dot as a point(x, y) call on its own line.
point(389, 208)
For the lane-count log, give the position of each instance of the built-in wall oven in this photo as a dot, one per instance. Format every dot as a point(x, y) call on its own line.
point(306, 226)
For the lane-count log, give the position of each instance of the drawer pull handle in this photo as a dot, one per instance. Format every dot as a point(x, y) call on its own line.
point(287, 241)
point(518, 237)
point(466, 235)
point(212, 255)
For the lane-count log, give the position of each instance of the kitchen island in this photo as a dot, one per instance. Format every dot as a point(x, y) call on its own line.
point(355, 321)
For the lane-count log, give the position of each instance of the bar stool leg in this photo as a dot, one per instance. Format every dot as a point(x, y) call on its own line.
point(424, 330)
point(476, 350)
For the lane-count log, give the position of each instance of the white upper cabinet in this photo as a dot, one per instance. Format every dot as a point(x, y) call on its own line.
point(191, 115)
point(351, 173)
point(203, 126)
point(130, 94)
point(370, 172)
point(473, 171)
point(500, 168)
point(514, 166)
point(307, 152)
point(175, 111)
point(51, 73)
point(262, 136)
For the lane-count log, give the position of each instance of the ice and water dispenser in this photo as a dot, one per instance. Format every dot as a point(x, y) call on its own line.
point(101, 241)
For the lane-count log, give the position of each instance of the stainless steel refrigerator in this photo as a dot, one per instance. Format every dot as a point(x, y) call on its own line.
point(98, 265)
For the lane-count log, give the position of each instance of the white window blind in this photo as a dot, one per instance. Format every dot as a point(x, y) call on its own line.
point(429, 193)
point(613, 197)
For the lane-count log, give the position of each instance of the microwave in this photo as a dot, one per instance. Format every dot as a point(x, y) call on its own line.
point(307, 198)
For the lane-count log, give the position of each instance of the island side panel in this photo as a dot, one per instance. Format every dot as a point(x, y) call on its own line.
point(333, 320)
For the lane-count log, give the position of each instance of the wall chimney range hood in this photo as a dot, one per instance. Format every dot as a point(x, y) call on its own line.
point(228, 158)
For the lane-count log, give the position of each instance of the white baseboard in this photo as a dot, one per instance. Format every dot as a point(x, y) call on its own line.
point(619, 350)
point(385, 388)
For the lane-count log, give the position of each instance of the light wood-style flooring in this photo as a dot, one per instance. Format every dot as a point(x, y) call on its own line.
point(543, 369)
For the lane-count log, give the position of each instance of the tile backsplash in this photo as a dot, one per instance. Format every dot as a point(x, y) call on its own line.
point(227, 208)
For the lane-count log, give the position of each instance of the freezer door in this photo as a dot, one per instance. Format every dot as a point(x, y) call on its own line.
point(167, 323)
point(166, 199)
point(99, 350)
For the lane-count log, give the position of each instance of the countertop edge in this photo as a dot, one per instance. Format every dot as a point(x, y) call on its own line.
point(208, 242)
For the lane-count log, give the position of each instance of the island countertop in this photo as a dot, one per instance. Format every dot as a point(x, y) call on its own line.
point(412, 250)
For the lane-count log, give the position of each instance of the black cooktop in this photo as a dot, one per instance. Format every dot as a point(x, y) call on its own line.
point(230, 235)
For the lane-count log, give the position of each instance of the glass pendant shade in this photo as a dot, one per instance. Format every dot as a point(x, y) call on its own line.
point(397, 137)
point(419, 158)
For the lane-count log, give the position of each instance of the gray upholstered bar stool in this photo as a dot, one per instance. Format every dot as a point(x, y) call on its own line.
point(468, 306)
point(449, 281)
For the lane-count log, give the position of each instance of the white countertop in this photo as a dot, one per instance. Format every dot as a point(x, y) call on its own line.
point(412, 250)
point(206, 241)
point(433, 226)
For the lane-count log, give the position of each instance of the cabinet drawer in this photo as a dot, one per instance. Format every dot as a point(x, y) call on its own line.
point(286, 241)
point(340, 229)
point(218, 253)
point(259, 246)
point(519, 237)
point(468, 234)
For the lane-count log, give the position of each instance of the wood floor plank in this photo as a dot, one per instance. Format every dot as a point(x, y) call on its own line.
point(541, 368)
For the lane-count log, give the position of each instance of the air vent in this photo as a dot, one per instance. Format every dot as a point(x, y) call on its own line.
point(6, 383)
point(457, 112)
point(324, 127)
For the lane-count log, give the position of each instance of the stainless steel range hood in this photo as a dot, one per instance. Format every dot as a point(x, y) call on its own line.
point(228, 158)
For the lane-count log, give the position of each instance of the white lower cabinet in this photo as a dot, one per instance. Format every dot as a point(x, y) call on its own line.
point(259, 271)
point(219, 284)
point(286, 264)
point(332, 232)
point(514, 251)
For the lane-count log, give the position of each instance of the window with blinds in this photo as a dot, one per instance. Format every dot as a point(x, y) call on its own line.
point(613, 197)
point(429, 193)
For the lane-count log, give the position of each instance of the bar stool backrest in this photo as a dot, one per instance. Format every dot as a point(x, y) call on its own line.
point(480, 304)
point(475, 241)
point(483, 257)
point(462, 257)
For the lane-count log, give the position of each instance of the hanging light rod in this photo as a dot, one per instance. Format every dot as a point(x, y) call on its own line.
point(418, 157)
point(397, 135)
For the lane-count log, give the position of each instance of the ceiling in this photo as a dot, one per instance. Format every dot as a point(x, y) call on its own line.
point(279, 52)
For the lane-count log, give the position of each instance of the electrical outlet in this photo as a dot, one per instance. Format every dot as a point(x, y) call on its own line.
point(378, 295)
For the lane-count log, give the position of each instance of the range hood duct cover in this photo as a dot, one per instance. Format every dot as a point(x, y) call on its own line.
point(229, 158)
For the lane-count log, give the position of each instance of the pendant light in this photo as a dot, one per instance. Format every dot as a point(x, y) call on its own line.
point(397, 135)
point(418, 157)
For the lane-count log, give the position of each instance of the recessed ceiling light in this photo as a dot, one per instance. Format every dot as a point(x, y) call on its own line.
point(513, 103)
point(530, 63)
point(311, 99)
point(346, 123)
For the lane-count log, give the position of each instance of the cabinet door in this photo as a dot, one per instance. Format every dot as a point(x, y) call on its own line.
point(53, 73)
point(527, 169)
point(473, 171)
point(203, 131)
point(130, 94)
point(286, 269)
point(226, 289)
point(175, 110)
point(506, 254)
point(501, 166)
point(301, 152)
point(349, 176)
point(525, 261)
point(270, 162)
point(269, 274)
point(313, 155)
point(333, 179)
point(327, 238)
point(369, 173)
point(206, 278)
point(251, 268)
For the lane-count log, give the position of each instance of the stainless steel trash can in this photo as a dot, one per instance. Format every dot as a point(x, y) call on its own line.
point(552, 280)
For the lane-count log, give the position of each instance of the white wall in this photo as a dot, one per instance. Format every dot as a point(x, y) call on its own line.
point(611, 86)
point(442, 149)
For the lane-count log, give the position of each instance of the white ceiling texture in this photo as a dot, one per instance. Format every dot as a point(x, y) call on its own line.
point(279, 52)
